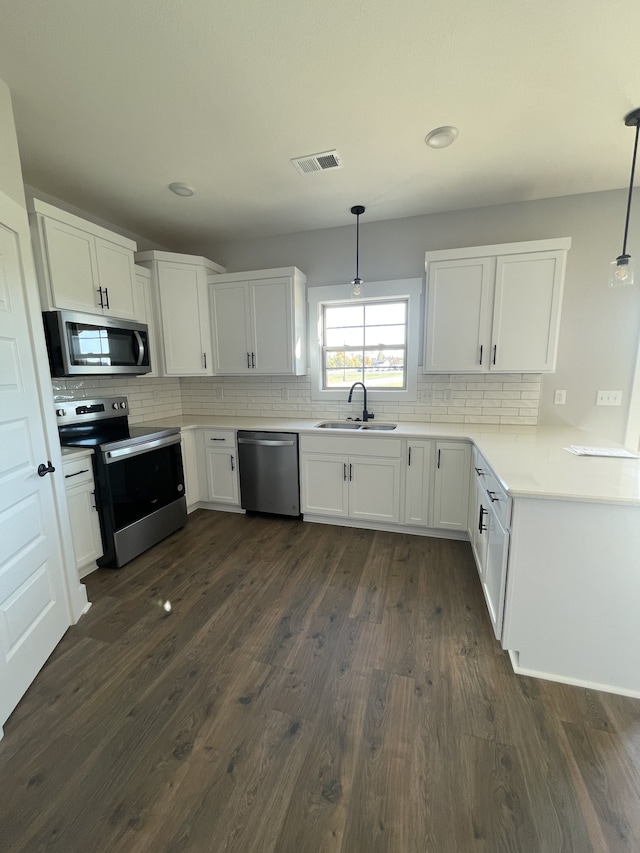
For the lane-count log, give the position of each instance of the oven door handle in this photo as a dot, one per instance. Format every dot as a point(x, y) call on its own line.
point(139, 449)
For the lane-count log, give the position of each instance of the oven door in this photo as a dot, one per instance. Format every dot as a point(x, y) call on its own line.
point(142, 498)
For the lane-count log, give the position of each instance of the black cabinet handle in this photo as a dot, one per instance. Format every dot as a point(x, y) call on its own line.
point(439, 451)
point(350, 472)
point(106, 293)
point(495, 349)
point(409, 456)
point(481, 525)
point(253, 359)
point(233, 467)
point(481, 348)
point(75, 473)
point(204, 359)
point(43, 469)
point(93, 505)
point(248, 360)
point(492, 496)
point(101, 301)
point(479, 472)
point(344, 471)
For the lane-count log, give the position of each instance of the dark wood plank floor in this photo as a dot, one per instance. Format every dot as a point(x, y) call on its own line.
point(314, 688)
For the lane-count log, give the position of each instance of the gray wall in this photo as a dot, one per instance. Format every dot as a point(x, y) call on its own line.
point(599, 330)
point(10, 169)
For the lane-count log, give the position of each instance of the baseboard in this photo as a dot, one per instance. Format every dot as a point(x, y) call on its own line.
point(574, 682)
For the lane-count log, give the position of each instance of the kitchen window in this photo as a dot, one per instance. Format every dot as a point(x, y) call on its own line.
point(373, 339)
point(365, 341)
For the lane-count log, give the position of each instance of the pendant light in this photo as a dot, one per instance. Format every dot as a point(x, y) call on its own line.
point(621, 270)
point(356, 284)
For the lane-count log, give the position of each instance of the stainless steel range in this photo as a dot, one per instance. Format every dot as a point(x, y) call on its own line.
point(138, 474)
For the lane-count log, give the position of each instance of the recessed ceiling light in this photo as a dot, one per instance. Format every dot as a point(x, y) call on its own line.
point(440, 137)
point(181, 189)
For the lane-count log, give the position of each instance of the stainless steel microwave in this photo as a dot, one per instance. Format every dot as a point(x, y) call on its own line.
point(88, 345)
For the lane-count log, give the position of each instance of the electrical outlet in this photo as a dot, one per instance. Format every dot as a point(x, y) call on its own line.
point(560, 398)
point(285, 393)
point(219, 393)
point(608, 398)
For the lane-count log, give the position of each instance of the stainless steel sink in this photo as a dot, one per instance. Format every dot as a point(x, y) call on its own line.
point(339, 425)
point(353, 425)
point(378, 426)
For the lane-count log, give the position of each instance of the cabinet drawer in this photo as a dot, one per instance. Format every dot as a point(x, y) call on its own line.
point(219, 438)
point(77, 471)
point(499, 499)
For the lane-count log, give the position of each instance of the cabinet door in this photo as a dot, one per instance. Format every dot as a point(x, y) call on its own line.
point(374, 489)
point(495, 574)
point(222, 476)
point(478, 528)
point(85, 526)
point(182, 289)
point(528, 294)
point(458, 318)
point(324, 486)
point(272, 326)
point(417, 484)
point(116, 278)
point(143, 308)
point(230, 324)
point(190, 467)
point(72, 267)
point(451, 485)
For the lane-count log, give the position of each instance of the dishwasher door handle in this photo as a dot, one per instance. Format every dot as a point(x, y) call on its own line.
point(262, 442)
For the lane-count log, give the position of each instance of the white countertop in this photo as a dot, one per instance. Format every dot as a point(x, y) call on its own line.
point(529, 461)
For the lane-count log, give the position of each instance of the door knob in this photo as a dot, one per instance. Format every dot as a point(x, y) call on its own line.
point(43, 469)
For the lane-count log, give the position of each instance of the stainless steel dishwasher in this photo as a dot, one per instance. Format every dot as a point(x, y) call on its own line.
point(269, 474)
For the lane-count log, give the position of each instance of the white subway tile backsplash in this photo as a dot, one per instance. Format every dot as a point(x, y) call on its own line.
point(461, 398)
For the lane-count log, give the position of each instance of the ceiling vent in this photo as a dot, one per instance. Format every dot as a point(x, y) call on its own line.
point(317, 162)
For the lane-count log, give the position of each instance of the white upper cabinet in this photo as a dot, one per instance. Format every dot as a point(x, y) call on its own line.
point(81, 266)
point(179, 294)
point(258, 322)
point(494, 308)
point(144, 314)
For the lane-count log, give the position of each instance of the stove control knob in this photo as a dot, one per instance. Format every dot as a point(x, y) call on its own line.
point(60, 413)
point(116, 405)
point(123, 405)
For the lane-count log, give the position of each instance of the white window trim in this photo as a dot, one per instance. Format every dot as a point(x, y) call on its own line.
point(408, 288)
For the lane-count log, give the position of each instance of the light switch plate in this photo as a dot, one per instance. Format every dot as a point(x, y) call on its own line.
point(560, 398)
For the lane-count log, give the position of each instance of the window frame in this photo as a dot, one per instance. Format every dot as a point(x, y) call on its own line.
point(376, 291)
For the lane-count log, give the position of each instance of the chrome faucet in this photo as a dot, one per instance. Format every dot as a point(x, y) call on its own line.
point(366, 416)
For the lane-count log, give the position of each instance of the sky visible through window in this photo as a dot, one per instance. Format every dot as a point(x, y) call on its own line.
point(365, 342)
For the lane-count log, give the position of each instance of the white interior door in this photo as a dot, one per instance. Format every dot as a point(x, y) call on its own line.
point(34, 611)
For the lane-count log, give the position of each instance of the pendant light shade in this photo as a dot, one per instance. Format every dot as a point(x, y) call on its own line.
point(622, 269)
point(356, 284)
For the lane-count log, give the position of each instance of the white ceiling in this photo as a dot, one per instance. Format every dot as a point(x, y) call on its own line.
point(114, 99)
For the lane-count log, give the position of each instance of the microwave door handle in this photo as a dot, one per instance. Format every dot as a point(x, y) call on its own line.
point(140, 343)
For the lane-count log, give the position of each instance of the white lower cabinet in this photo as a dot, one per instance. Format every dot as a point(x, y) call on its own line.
point(418, 482)
point(190, 468)
point(350, 478)
point(489, 535)
point(220, 467)
point(451, 485)
point(83, 514)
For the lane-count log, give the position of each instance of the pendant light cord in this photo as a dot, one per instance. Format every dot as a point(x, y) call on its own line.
point(358, 243)
point(633, 169)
